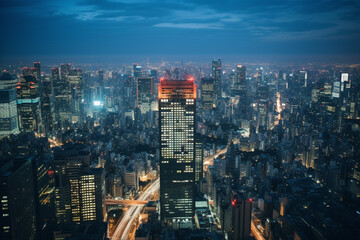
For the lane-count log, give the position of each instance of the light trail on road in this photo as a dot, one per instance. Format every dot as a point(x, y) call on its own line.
point(209, 160)
point(122, 230)
point(256, 232)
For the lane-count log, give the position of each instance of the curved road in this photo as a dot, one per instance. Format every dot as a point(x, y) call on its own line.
point(122, 230)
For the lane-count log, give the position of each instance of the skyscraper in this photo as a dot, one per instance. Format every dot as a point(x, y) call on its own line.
point(78, 188)
point(208, 93)
point(137, 70)
point(61, 96)
point(177, 106)
point(28, 103)
point(199, 152)
point(7, 81)
point(47, 104)
point(238, 88)
point(8, 113)
point(144, 93)
point(216, 74)
point(241, 217)
point(75, 77)
point(17, 211)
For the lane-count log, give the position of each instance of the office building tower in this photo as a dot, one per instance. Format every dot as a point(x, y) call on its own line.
point(199, 152)
point(100, 91)
point(241, 217)
point(336, 90)
point(37, 72)
point(32, 71)
point(61, 96)
point(153, 74)
point(64, 70)
point(8, 113)
point(303, 78)
point(44, 185)
point(345, 81)
point(238, 88)
point(78, 188)
point(260, 77)
point(177, 106)
point(208, 93)
point(28, 104)
point(144, 93)
point(137, 71)
point(75, 78)
point(262, 93)
point(47, 104)
point(7, 81)
point(216, 74)
point(17, 205)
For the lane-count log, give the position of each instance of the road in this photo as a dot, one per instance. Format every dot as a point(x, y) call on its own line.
point(209, 160)
point(257, 234)
point(123, 228)
point(125, 202)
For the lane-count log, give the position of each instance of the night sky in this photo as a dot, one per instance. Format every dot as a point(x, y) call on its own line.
point(327, 29)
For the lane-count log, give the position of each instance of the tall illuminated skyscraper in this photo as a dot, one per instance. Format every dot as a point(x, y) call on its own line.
point(78, 188)
point(75, 77)
point(208, 93)
point(177, 106)
point(8, 113)
point(28, 103)
point(144, 93)
point(216, 74)
point(238, 88)
point(61, 96)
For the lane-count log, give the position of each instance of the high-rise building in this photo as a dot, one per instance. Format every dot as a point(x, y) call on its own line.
point(61, 94)
point(208, 93)
point(28, 103)
point(137, 71)
point(7, 81)
point(47, 104)
point(199, 152)
point(44, 183)
point(303, 78)
point(144, 93)
point(238, 88)
point(8, 113)
point(64, 70)
point(78, 188)
point(75, 78)
point(100, 91)
point(260, 77)
point(177, 106)
point(216, 74)
point(241, 217)
point(17, 211)
point(37, 71)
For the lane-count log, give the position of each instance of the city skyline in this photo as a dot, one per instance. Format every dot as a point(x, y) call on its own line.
point(183, 120)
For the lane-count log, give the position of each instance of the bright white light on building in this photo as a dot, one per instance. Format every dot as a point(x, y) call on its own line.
point(97, 103)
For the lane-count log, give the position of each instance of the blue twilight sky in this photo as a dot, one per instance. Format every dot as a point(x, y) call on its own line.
point(329, 29)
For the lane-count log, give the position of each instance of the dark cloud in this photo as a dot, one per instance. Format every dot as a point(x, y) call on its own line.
point(171, 27)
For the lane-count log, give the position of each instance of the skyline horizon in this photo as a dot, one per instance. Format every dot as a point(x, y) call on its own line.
point(114, 59)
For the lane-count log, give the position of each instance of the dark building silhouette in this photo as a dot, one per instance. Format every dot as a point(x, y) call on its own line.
point(17, 211)
point(241, 217)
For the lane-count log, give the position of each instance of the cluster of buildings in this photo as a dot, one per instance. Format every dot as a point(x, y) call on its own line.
point(242, 151)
